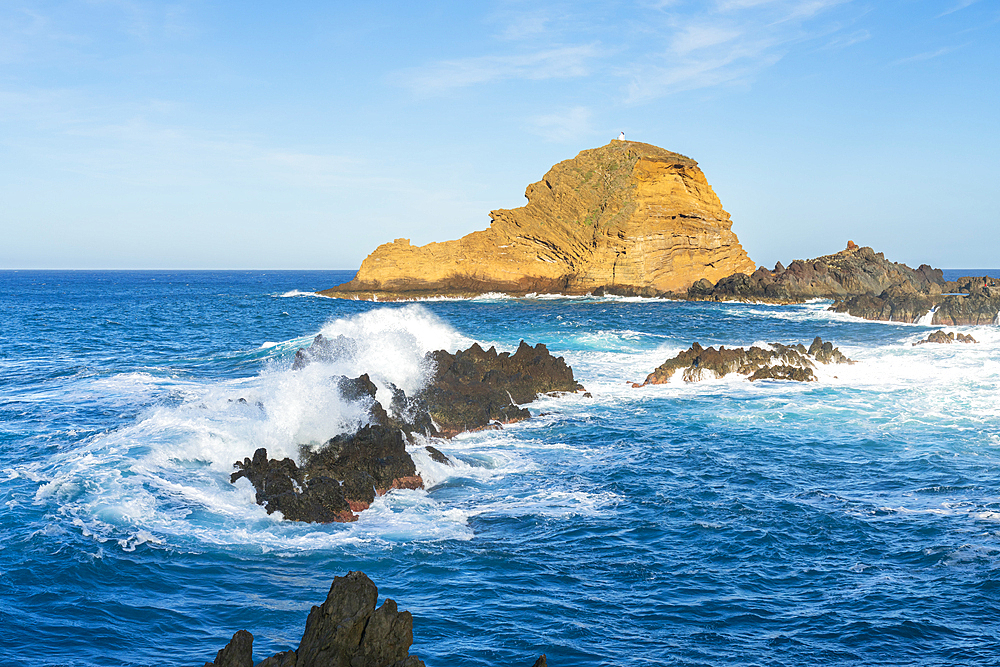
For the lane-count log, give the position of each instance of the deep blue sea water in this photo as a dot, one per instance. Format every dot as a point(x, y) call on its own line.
point(850, 521)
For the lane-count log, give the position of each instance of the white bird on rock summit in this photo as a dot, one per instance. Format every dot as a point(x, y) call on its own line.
point(621, 137)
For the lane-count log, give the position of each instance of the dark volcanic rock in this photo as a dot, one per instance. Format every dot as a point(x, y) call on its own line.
point(473, 388)
point(851, 272)
point(970, 301)
point(237, 653)
point(940, 336)
point(891, 306)
point(347, 630)
point(982, 307)
point(437, 456)
point(782, 362)
point(470, 389)
point(376, 450)
point(283, 487)
point(796, 373)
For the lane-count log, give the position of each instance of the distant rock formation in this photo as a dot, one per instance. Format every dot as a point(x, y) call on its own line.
point(627, 216)
point(469, 390)
point(781, 362)
point(853, 271)
point(940, 336)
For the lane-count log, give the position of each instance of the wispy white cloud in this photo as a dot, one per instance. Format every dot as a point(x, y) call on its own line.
point(962, 4)
point(560, 62)
point(564, 126)
point(844, 41)
point(927, 55)
point(726, 43)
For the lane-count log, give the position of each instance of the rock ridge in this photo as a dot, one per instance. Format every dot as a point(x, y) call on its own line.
point(627, 215)
point(780, 362)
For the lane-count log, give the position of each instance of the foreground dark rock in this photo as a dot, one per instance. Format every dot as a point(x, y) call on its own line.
point(940, 336)
point(854, 271)
point(468, 390)
point(782, 362)
point(345, 631)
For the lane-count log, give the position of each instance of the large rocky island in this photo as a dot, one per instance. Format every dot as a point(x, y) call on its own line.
point(627, 217)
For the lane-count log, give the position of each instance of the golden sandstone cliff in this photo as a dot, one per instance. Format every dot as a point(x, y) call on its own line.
point(627, 217)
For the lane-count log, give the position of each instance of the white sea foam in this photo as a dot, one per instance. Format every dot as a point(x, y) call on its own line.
point(165, 476)
point(295, 292)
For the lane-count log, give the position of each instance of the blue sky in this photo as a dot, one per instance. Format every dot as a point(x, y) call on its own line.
point(301, 135)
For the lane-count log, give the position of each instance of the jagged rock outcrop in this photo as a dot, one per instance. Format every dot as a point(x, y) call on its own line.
point(627, 215)
point(475, 388)
point(781, 362)
point(853, 271)
point(347, 630)
point(940, 336)
point(966, 301)
point(468, 390)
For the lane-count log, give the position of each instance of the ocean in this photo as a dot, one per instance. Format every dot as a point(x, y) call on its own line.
point(850, 521)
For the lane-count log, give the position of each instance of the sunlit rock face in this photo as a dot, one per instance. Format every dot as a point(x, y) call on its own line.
point(627, 216)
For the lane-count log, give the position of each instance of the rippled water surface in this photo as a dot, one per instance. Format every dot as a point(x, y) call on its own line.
point(853, 520)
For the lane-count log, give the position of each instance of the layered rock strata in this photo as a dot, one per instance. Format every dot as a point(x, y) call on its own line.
point(780, 362)
point(469, 390)
point(626, 216)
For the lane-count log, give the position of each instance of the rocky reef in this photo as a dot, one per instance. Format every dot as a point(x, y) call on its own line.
point(863, 283)
point(468, 390)
point(856, 270)
point(780, 362)
point(626, 216)
point(940, 336)
point(967, 301)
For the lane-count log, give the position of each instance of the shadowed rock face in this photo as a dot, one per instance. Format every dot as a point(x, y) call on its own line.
point(627, 215)
point(347, 630)
point(854, 271)
point(468, 390)
point(782, 362)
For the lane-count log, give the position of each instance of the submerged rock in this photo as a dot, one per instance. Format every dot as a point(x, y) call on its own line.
point(347, 630)
point(940, 336)
point(781, 362)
